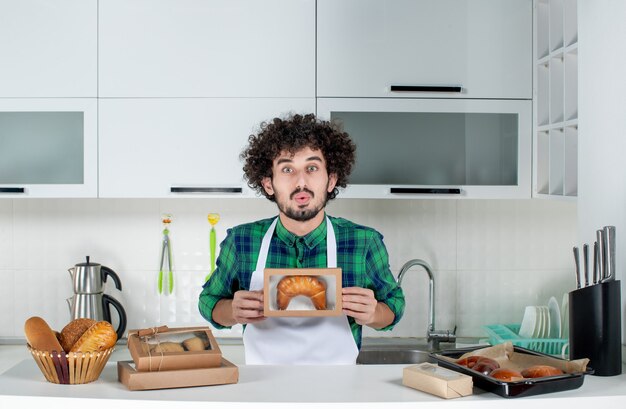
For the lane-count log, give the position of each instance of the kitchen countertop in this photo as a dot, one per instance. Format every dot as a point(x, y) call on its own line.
point(362, 386)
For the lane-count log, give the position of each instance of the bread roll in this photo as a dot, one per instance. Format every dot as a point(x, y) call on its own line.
point(469, 361)
point(309, 286)
point(505, 374)
point(98, 337)
point(168, 347)
point(485, 365)
point(194, 344)
point(73, 331)
point(539, 371)
point(40, 336)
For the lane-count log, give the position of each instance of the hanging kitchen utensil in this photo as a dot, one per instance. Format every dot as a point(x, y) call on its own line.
point(166, 250)
point(213, 219)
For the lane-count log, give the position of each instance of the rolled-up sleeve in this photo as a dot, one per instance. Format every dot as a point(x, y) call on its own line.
point(223, 282)
point(381, 280)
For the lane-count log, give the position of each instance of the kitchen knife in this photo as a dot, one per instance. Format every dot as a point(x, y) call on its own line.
point(601, 253)
point(586, 263)
point(577, 264)
point(609, 237)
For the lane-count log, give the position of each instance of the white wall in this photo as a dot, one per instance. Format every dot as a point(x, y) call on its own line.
point(491, 257)
point(602, 129)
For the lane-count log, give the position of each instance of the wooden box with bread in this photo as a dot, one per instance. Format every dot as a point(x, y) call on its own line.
point(302, 292)
point(166, 349)
point(75, 355)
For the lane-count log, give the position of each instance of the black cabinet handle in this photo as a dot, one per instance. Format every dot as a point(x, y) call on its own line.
point(11, 190)
point(177, 189)
point(426, 88)
point(426, 190)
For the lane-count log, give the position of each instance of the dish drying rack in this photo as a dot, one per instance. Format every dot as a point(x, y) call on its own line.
point(500, 333)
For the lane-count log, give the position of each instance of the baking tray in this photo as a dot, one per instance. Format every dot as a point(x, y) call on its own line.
point(517, 389)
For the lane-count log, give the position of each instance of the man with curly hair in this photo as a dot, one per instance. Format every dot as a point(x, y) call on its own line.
point(299, 162)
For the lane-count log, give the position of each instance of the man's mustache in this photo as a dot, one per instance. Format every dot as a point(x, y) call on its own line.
point(304, 189)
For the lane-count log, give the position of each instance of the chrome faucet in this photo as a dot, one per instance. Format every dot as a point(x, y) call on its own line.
point(434, 337)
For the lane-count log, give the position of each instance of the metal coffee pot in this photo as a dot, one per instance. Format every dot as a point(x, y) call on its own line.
point(89, 300)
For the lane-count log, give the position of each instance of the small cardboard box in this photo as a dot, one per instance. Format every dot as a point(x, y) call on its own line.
point(433, 379)
point(135, 380)
point(164, 349)
point(295, 292)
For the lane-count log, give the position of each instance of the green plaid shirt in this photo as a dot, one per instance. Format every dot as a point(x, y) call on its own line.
point(361, 255)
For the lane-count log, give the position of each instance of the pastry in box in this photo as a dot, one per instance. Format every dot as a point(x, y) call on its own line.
point(166, 349)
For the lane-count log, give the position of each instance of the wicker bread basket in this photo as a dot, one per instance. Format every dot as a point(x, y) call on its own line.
point(71, 368)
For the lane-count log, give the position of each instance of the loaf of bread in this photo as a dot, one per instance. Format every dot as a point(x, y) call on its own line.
point(539, 371)
point(98, 337)
point(40, 336)
point(73, 331)
point(308, 286)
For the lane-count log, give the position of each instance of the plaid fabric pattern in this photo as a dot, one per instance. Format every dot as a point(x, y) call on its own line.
point(361, 255)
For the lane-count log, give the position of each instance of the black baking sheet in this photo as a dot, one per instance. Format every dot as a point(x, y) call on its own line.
point(517, 389)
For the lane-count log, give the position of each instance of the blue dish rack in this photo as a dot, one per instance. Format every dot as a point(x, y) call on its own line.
point(501, 333)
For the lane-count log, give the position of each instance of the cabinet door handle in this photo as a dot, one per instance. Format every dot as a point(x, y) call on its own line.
point(11, 190)
point(426, 88)
point(426, 190)
point(200, 189)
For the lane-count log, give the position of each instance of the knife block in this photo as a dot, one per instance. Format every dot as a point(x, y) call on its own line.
point(595, 327)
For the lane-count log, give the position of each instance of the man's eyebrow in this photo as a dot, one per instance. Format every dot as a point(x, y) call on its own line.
point(283, 160)
point(314, 158)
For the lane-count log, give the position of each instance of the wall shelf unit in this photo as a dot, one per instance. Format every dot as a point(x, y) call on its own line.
point(555, 102)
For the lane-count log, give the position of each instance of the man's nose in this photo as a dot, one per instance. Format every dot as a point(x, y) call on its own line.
point(301, 180)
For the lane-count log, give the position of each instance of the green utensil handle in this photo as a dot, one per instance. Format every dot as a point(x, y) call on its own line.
point(160, 282)
point(170, 279)
point(212, 241)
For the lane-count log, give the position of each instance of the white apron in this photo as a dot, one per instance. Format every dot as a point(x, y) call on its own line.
point(298, 340)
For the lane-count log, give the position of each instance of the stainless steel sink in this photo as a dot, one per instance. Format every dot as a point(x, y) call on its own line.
point(381, 356)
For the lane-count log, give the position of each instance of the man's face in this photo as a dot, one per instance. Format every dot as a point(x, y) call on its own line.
point(300, 183)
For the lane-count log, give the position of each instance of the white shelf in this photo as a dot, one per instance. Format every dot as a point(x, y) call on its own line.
point(556, 99)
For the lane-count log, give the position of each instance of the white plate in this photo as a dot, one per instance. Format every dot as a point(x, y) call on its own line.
point(555, 318)
point(565, 316)
point(546, 322)
point(528, 322)
point(538, 323)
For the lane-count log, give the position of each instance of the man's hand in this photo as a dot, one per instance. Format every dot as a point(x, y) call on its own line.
point(361, 304)
point(246, 307)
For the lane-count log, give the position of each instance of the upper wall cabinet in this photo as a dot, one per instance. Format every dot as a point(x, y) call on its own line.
point(424, 48)
point(181, 147)
point(48, 48)
point(208, 48)
point(48, 147)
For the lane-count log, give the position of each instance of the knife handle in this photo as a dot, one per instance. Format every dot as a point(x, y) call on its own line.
point(577, 265)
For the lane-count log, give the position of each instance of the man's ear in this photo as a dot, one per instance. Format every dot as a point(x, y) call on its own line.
point(267, 185)
point(332, 182)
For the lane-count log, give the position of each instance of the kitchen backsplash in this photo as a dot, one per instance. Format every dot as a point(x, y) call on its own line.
point(490, 257)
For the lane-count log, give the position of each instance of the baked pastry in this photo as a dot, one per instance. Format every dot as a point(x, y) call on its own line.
point(505, 374)
point(485, 365)
point(167, 347)
point(73, 331)
point(469, 361)
point(194, 344)
point(539, 371)
point(40, 336)
point(308, 286)
point(98, 337)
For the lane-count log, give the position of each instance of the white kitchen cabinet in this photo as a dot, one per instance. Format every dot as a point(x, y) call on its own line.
point(48, 147)
point(181, 147)
point(556, 99)
point(48, 48)
point(207, 48)
point(436, 148)
point(364, 47)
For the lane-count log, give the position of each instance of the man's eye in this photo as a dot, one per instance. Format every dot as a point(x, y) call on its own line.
point(287, 170)
point(312, 168)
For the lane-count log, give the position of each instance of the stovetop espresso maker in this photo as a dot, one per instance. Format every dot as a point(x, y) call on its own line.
point(89, 300)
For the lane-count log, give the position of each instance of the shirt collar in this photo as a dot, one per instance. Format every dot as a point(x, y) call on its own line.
point(311, 239)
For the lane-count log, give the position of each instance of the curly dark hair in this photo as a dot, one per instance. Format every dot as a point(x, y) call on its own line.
point(291, 134)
